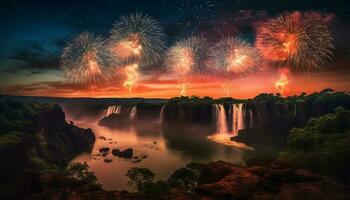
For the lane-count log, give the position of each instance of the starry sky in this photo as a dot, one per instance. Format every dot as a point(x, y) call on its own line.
point(33, 34)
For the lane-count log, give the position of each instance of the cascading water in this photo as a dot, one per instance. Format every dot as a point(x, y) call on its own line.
point(237, 118)
point(221, 125)
point(161, 115)
point(113, 110)
point(133, 112)
point(220, 118)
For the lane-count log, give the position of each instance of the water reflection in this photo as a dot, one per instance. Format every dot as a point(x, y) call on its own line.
point(166, 148)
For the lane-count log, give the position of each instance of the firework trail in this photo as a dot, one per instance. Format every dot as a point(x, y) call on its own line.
point(299, 40)
point(189, 57)
point(84, 59)
point(235, 56)
point(282, 83)
point(132, 74)
point(137, 38)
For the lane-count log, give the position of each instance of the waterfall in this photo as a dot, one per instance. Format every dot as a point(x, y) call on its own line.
point(220, 118)
point(237, 118)
point(113, 110)
point(161, 115)
point(133, 112)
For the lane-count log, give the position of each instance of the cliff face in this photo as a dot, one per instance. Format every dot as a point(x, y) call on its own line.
point(196, 114)
point(264, 113)
point(38, 139)
point(63, 140)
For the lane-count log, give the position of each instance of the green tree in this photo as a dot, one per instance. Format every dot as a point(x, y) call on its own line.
point(140, 178)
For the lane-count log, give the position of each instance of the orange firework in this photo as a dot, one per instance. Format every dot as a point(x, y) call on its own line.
point(297, 39)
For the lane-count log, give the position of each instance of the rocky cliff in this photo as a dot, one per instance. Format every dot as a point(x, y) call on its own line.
point(37, 136)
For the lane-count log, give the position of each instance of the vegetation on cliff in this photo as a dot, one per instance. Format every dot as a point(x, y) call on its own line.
point(322, 145)
point(35, 138)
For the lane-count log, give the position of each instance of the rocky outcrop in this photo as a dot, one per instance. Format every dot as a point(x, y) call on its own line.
point(46, 140)
point(127, 153)
point(278, 180)
point(64, 141)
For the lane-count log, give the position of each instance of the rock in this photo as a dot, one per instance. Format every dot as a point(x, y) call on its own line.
point(136, 157)
point(155, 142)
point(104, 154)
point(107, 160)
point(136, 161)
point(128, 153)
point(102, 138)
point(215, 171)
point(144, 156)
point(104, 149)
point(221, 180)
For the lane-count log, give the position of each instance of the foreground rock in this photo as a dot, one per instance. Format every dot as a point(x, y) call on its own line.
point(221, 180)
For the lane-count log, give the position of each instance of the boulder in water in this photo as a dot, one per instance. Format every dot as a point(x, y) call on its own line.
point(128, 153)
point(102, 138)
point(108, 160)
point(104, 149)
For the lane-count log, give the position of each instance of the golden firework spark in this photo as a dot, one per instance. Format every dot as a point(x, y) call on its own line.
point(235, 56)
point(85, 60)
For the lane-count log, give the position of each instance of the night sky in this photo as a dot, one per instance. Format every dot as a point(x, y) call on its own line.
point(33, 34)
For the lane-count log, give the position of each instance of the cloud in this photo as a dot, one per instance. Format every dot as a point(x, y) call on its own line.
point(33, 57)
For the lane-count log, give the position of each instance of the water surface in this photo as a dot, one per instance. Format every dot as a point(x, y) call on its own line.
point(167, 149)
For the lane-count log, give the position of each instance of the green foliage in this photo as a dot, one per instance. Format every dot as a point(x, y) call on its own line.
point(322, 145)
point(155, 189)
point(141, 178)
point(80, 172)
point(185, 178)
point(9, 139)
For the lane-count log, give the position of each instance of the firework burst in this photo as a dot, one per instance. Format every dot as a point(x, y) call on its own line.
point(297, 39)
point(137, 38)
point(189, 56)
point(84, 59)
point(235, 56)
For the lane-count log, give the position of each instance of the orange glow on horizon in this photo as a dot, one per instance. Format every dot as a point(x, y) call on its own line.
point(160, 85)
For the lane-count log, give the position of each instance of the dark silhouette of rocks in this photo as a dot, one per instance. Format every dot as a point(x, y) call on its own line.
point(128, 153)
